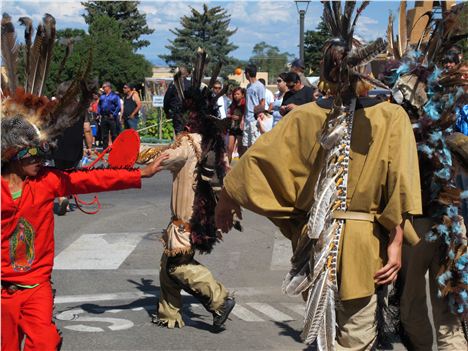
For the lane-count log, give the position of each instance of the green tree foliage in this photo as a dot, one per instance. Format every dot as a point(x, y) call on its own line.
point(208, 29)
point(269, 59)
point(125, 13)
point(313, 45)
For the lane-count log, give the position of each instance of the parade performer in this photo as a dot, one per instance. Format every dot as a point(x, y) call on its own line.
point(198, 162)
point(29, 125)
point(431, 96)
point(339, 177)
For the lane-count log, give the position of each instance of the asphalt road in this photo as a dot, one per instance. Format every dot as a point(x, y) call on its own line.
point(106, 277)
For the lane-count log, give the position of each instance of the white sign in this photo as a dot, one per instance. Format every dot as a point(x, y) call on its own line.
point(158, 100)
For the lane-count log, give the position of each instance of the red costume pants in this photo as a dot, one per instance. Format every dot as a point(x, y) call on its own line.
point(28, 313)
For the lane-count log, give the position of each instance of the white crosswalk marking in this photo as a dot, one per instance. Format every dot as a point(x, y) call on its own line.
point(244, 314)
point(98, 251)
point(299, 308)
point(270, 311)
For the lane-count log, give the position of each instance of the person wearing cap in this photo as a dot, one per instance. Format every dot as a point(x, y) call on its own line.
point(297, 66)
point(298, 94)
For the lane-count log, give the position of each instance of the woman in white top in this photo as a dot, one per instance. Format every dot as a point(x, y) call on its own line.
point(282, 89)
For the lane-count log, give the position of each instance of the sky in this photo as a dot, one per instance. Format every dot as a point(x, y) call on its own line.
point(275, 22)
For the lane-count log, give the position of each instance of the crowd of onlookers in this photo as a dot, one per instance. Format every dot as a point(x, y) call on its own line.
point(253, 110)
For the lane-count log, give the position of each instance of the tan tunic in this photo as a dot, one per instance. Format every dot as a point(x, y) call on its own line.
point(277, 176)
point(184, 155)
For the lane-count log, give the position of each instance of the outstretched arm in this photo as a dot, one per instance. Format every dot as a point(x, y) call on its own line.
point(99, 180)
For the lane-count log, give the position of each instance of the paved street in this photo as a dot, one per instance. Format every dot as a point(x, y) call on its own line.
point(106, 276)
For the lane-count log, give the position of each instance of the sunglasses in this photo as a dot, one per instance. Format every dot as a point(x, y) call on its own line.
point(290, 85)
point(279, 81)
point(217, 88)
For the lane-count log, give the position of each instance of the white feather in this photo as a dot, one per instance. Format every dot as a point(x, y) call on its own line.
point(327, 334)
point(322, 250)
point(315, 308)
point(295, 284)
point(318, 213)
point(331, 139)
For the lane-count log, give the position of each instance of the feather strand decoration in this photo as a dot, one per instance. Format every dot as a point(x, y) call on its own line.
point(321, 207)
point(316, 305)
point(296, 282)
point(347, 15)
point(327, 334)
point(28, 32)
point(361, 8)
point(179, 85)
point(9, 52)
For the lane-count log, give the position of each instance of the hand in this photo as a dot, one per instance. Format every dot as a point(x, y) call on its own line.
point(87, 152)
point(291, 107)
point(283, 110)
point(389, 272)
point(225, 211)
point(154, 167)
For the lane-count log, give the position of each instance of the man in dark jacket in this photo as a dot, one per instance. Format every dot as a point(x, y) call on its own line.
point(172, 104)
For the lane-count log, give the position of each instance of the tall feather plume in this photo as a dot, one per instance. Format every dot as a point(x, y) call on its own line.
point(68, 43)
point(28, 32)
point(402, 29)
point(9, 51)
point(336, 8)
point(179, 85)
point(391, 48)
point(347, 15)
point(360, 9)
point(4, 85)
point(46, 53)
point(330, 19)
point(199, 68)
point(35, 59)
point(363, 55)
point(215, 74)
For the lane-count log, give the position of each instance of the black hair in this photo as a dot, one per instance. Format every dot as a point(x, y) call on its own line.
point(261, 80)
point(451, 57)
point(291, 77)
point(251, 70)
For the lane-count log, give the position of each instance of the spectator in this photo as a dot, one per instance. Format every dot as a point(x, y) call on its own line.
point(255, 101)
point(93, 118)
point(131, 107)
point(223, 100)
point(279, 95)
point(173, 106)
point(236, 113)
point(265, 122)
point(297, 95)
point(297, 66)
point(269, 97)
point(109, 110)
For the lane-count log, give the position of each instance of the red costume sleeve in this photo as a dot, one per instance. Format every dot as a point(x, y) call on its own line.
point(93, 181)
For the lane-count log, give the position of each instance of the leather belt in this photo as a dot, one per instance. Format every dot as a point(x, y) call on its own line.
point(352, 215)
point(182, 225)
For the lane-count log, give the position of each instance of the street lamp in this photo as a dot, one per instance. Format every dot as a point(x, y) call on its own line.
point(302, 7)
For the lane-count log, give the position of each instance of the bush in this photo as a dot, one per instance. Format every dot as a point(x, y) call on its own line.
point(154, 116)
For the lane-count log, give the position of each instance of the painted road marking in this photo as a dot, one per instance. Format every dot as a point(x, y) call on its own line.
point(282, 252)
point(241, 291)
point(75, 315)
point(98, 251)
point(299, 308)
point(244, 314)
point(270, 311)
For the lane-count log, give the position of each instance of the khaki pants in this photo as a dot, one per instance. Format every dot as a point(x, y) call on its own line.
point(417, 260)
point(184, 273)
point(357, 324)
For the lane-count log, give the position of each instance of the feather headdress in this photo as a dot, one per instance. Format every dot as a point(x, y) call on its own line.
point(29, 119)
point(315, 266)
point(431, 94)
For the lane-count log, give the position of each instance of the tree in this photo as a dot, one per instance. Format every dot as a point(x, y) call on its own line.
point(313, 45)
point(208, 29)
point(269, 59)
point(126, 14)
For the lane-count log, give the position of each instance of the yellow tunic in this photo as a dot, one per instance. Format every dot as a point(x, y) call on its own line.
point(276, 178)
